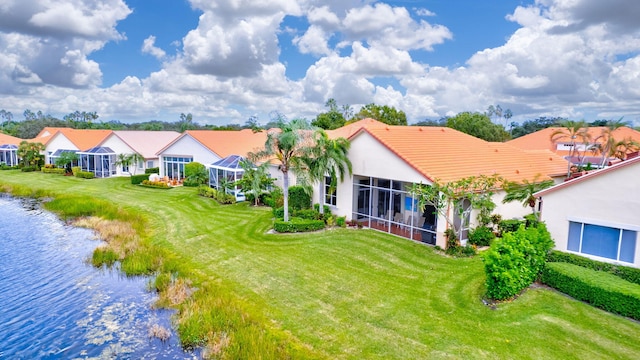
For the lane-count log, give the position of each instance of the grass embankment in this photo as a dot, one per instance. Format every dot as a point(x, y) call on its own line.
point(347, 294)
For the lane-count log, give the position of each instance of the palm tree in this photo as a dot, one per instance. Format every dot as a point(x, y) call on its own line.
point(127, 160)
point(285, 144)
point(524, 192)
point(572, 131)
point(327, 157)
point(608, 144)
point(255, 179)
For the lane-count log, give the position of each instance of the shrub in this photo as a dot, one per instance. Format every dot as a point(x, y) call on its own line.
point(274, 199)
point(53, 170)
point(138, 179)
point(84, 174)
point(461, 251)
point(29, 168)
point(299, 198)
point(49, 166)
point(219, 196)
point(4, 166)
point(624, 272)
point(514, 261)
point(481, 236)
point(278, 213)
point(341, 221)
point(190, 183)
point(75, 170)
point(327, 209)
point(155, 184)
point(600, 289)
point(297, 225)
point(308, 214)
point(155, 170)
point(506, 226)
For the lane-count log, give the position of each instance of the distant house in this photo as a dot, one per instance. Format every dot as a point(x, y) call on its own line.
point(596, 215)
point(575, 150)
point(9, 149)
point(387, 159)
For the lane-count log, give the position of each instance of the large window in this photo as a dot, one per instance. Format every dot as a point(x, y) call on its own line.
point(174, 166)
point(603, 241)
point(329, 192)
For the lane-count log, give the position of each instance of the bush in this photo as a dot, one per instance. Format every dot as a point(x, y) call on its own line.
point(506, 226)
point(297, 225)
point(308, 214)
point(191, 183)
point(155, 184)
point(4, 166)
point(341, 221)
point(514, 261)
point(53, 170)
point(600, 289)
point(461, 251)
point(138, 179)
point(219, 196)
point(481, 236)
point(84, 174)
point(624, 272)
point(155, 170)
point(75, 170)
point(327, 209)
point(298, 198)
point(274, 199)
point(29, 168)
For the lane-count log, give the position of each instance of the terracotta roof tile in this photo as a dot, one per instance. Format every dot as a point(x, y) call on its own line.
point(446, 155)
point(225, 143)
point(83, 139)
point(350, 129)
point(9, 140)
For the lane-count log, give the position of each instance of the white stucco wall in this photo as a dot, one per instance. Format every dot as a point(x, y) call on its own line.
point(187, 146)
point(59, 141)
point(120, 147)
point(610, 199)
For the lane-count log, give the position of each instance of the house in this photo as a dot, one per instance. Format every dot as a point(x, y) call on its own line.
point(9, 149)
point(596, 215)
point(59, 140)
point(144, 143)
point(581, 150)
point(388, 159)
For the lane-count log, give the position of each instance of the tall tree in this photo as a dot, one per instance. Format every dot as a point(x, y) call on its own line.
point(606, 142)
point(255, 180)
point(524, 191)
point(81, 120)
point(573, 132)
point(328, 157)
point(285, 144)
point(331, 119)
point(186, 122)
point(531, 126)
point(386, 114)
point(478, 125)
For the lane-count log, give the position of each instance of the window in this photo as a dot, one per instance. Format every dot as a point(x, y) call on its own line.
point(149, 164)
point(125, 168)
point(602, 241)
point(141, 164)
point(329, 192)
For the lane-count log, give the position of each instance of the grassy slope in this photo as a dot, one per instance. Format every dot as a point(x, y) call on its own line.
point(359, 293)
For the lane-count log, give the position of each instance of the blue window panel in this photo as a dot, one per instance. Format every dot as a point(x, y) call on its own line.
point(575, 230)
point(628, 246)
point(600, 241)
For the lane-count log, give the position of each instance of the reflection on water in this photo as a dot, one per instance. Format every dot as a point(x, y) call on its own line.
point(54, 305)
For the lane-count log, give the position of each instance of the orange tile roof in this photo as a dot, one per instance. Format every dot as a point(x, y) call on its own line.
point(83, 139)
point(541, 139)
point(350, 129)
point(225, 143)
point(9, 140)
point(447, 155)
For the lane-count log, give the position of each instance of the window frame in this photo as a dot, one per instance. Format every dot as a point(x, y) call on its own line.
point(330, 199)
point(576, 232)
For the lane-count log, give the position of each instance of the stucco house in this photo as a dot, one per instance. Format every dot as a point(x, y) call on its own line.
point(82, 142)
point(9, 149)
point(387, 159)
point(596, 215)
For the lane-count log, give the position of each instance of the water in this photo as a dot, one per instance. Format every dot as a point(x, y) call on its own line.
point(53, 305)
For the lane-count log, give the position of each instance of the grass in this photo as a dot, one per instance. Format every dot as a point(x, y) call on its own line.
point(339, 294)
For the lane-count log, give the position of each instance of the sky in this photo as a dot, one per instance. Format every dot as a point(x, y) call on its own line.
point(225, 61)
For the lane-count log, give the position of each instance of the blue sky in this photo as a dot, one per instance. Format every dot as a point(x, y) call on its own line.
point(226, 60)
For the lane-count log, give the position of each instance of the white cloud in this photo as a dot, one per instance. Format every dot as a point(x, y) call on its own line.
point(148, 47)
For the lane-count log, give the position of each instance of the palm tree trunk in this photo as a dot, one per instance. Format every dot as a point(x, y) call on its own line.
point(321, 200)
point(285, 182)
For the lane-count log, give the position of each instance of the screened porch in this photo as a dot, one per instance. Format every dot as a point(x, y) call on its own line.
point(224, 173)
point(101, 161)
point(56, 155)
point(9, 154)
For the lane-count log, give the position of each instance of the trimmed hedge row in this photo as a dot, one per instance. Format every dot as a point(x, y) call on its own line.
point(29, 168)
point(138, 179)
point(513, 262)
point(84, 174)
point(53, 171)
point(624, 272)
point(155, 170)
point(598, 288)
point(155, 184)
point(219, 196)
point(4, 166)
point(297, 225)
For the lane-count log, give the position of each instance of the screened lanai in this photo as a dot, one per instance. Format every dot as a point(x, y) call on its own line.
point(101, 161)
point(9, 154)
point(54, 157)
point(225, 172)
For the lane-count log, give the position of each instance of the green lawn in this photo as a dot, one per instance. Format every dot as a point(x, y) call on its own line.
point(359, 294)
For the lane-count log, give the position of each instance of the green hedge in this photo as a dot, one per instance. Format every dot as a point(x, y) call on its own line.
point(155, 184)
point(53, 171)
point(513, 262)
point(297, 225)
point(155, 170)
point(138, 179)
point(511, 225)
point(299, 198)
point(219, 196)
point(598, 288)
point(85, 174)
point(624, 272)
point(29, 168)
point(481, 236)
point(4, 166)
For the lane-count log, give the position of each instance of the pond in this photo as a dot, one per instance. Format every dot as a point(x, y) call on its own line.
point(56, 305)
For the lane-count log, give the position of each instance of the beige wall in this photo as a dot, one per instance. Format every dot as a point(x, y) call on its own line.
point(120, 147)
point(611, 199)
point(58, 142)
point(188, 147)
